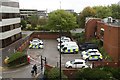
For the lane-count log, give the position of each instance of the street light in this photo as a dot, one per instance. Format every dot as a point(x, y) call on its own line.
point(60, 32)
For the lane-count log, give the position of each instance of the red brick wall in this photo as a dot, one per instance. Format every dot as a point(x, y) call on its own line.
point(90, 28)
point(111, 41)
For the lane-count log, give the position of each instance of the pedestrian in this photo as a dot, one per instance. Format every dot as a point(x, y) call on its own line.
point(32, 71)
point(35, 69)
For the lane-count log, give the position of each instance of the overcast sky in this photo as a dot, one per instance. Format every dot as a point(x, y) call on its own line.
point(77, 5)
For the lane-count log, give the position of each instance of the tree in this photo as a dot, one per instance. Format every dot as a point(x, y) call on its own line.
point(24, 24)
point(33, 20)
point(102, 11)
point(64, 19)
point(87, 12)
point(115, 11)
point(42, 21)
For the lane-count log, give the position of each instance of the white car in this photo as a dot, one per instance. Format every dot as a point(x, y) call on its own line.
point(77, 63)
point(36, 41)
point(92, 55)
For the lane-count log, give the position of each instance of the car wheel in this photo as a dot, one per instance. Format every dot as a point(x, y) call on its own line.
point(70, 67)
point(99, 59)
point(86, 59)
point(83, 66)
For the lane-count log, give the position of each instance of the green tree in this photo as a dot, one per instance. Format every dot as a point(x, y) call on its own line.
point(102, 11)
point(115, 11)
point(33, 20)
point(23, 24)
point(87, 12)
point(42, 21)
point(64, 19)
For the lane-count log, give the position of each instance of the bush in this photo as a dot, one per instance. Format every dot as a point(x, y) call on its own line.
point(54, 74)
point(104, 54)
point(93, 74)
point(17, 58)
point(79, 37)
point(96, 41)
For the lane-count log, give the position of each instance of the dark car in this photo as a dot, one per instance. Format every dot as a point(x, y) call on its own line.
point(87, 45)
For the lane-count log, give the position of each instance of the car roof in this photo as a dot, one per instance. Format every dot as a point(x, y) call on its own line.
point(92, 50)
point(79, 60)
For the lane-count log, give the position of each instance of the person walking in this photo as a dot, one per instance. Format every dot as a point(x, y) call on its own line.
point(35, 69)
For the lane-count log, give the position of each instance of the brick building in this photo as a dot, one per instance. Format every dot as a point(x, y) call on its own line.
point(108, 31)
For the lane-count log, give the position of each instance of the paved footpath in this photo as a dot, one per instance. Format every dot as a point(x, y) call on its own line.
point(23, 72)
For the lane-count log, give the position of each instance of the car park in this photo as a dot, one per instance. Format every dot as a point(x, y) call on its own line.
point(87, 45)
point(77, 63)
point(91, 55)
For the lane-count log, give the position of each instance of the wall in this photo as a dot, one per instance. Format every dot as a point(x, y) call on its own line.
point(111, 41)
point(90, 28)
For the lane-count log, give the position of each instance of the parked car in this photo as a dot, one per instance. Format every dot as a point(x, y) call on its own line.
point(64, 39)
point(70, 47)
point(36, 41)
point(89, 51)
point(91, 54)
point(87, 45)
point(36, 46)
point(77, 63)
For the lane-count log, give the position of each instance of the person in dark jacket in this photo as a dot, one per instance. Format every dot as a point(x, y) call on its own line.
point(35, 69)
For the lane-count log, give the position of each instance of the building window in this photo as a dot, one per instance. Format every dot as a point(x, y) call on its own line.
point(10, 4)
point(9, 27)
point(102, 33)
point(0, 16)
point(10, 15)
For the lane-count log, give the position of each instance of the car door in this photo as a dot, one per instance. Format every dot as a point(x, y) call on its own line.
point(80, 64)
point(75, 65)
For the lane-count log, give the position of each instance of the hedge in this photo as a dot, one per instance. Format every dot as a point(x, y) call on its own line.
point(17, 59)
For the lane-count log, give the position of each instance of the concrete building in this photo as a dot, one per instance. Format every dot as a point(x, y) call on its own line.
point(10, 30)
point(42, 13)
point(107, 31)
point(25, 13)
point(69, 10)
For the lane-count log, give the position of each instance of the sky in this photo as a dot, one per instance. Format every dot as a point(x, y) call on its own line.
point(76, 5)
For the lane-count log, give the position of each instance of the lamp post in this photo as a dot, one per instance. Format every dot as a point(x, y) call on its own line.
point(60, 32)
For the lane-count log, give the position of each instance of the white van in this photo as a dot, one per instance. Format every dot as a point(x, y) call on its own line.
point(66, 43)
point(70, 47)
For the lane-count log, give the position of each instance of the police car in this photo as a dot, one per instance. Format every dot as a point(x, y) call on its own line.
point(77, 63)
point(64, 39)
point(91, 54)
point(36, 41)
point(31, 46)
point(36, 44)
point(88, 51)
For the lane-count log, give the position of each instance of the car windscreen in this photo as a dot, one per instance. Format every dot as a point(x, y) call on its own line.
point(94, 55)
point(92, 51)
